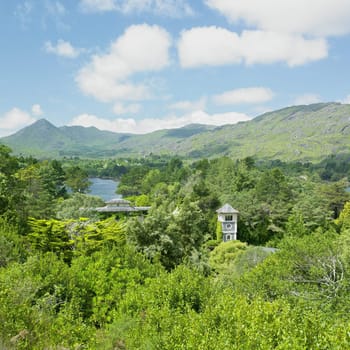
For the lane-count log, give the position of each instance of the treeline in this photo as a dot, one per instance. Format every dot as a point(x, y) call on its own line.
point(71, 279)
point(33, 188)
point(269, 199)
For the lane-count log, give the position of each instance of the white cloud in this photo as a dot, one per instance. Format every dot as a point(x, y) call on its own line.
point(271, 47)
point(218, 46)
point(62, 48)
point(36, 110)
point(171, 8)
point(141, 48)
point(189, 106)
point(312, 17)
point(147, 125)
point(307, 99)
point(208, 46)
point(120, 108)
point(14, 120)
point(244, 95)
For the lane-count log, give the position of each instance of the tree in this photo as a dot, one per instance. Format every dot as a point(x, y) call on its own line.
point(8, 163)
point(309, 268)
point(12, 245)
point(245, 174)
point(151, 179)
point(188, 227)
point(38, 201)
point(131, 181)
point(312, 204)
point(78, 205)
point(51, 236)
point(169, 234)
point(336, 195)
point(53, 177)
point(344, 218)
point(223, 257)
point(9, 188)
point(295, 225)
point(273, 186)
point(77, 179)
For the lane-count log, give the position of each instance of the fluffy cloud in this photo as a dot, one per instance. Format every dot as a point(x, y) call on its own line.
point(270, 47)
point(141, 48)
point(14, 120)
point(62, 48)
point(244, 95)
point(218, 46)
point(208, 46)
point(171, 8)
point(36, 110)
point(152, 124)
point(307, 99)
point(312, 17)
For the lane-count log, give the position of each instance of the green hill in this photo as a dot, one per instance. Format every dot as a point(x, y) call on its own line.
point(294, 133)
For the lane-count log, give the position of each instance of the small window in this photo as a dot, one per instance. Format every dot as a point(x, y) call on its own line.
point(228, 217)
point(228, 237)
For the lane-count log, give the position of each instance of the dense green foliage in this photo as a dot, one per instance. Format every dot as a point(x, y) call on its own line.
point(70, 279)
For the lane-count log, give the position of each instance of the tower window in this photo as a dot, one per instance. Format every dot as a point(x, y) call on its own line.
point(228, 217)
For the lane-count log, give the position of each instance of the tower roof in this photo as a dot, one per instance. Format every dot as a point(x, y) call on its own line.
point(227, 209)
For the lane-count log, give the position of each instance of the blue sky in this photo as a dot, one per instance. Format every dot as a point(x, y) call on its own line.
point(142, 65)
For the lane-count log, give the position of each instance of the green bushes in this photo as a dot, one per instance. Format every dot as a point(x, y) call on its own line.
point(162, 281)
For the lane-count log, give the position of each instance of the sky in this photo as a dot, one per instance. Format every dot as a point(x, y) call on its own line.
point(137, 66)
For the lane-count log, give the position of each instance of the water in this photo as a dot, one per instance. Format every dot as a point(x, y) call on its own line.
point(104, 188)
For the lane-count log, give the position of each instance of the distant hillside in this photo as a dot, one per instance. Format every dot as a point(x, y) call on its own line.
point(294, 133)
point(43, 139)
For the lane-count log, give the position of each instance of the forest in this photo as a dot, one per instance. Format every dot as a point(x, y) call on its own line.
point(72, 278)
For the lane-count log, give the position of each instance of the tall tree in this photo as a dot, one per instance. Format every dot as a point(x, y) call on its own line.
point(77, 179)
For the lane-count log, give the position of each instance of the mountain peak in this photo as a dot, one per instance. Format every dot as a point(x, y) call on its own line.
point(42, 123)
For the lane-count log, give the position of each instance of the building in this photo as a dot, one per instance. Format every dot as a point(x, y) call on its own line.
point(119, 205)
point(228, 217)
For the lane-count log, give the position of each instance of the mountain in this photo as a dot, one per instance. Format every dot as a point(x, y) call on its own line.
point(43, 139)
point(294, 133)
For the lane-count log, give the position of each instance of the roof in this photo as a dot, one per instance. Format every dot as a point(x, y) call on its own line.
point(120, 209)
point(118, 201)
point(120, 205)
point(227, 209)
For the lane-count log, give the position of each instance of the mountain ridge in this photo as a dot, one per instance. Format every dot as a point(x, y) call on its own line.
point(305, 132)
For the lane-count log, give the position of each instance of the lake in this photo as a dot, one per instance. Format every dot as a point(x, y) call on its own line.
point(104, 188)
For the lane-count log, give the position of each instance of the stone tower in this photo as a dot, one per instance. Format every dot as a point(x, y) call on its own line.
point(227, 216)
